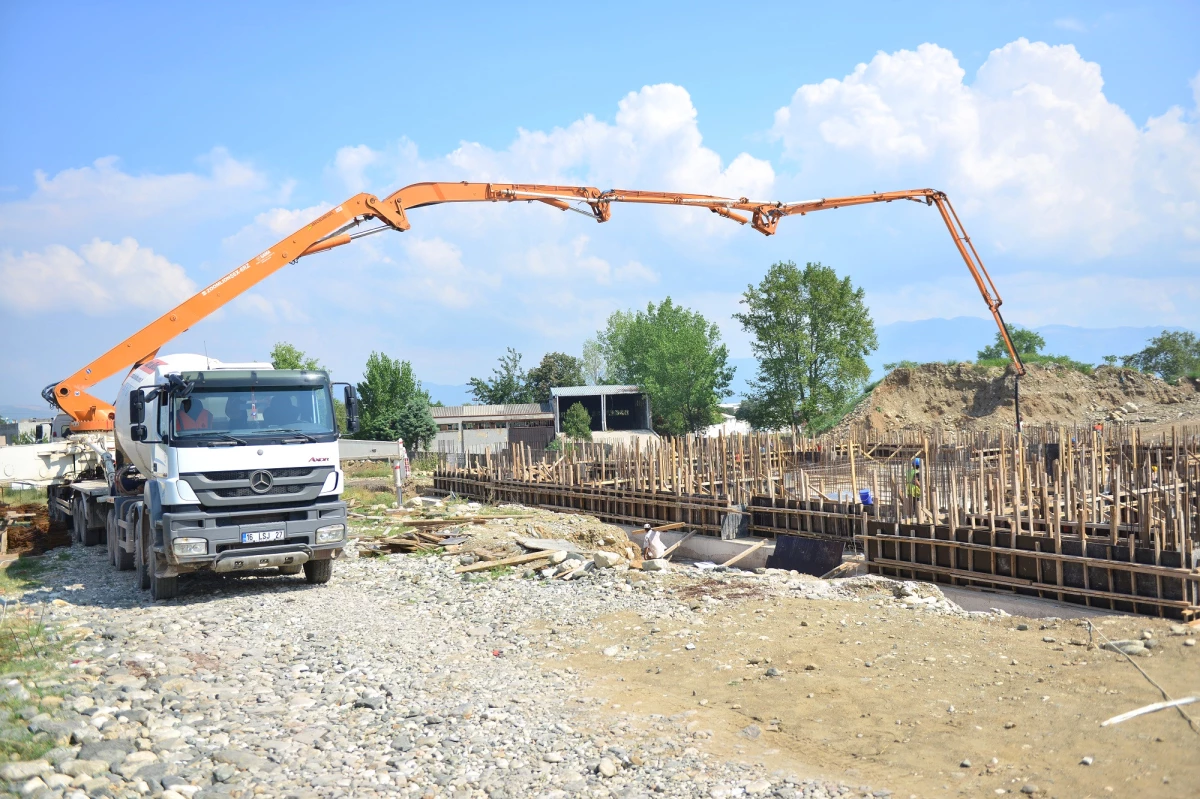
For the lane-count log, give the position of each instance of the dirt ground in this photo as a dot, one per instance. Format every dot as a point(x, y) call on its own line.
point(964, 395)
point(904, 699)
point(38, 537)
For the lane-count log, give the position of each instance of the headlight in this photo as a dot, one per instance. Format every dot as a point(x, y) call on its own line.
point(331, 533)
point(190, 546)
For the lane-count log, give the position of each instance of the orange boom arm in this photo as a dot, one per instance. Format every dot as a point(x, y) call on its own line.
point(334, 229)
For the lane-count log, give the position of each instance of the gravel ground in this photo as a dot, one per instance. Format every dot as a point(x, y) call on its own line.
point(397, 678)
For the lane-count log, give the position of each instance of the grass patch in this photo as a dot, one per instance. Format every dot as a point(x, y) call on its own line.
point(368, 469)
point(21, 575)
point(30, 652)
point(32, 496)
point(367, 497)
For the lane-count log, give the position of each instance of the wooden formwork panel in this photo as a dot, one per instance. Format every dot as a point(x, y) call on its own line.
point(1104, 576)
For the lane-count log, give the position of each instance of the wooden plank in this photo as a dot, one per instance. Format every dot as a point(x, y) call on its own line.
point(675, 546)
point(762, 542)
point(528, 557)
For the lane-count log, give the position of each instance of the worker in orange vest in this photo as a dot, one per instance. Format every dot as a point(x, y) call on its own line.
point(193, 415)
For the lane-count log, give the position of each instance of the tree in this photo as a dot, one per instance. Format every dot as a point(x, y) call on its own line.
point(811, 334)
point(1170, 355)
point(509, 384)
point(577, 423)
point(286, 356)
point(556, 369)
point(1025, 342)
point(393, 404)
point(676, 356)
point(594, 366)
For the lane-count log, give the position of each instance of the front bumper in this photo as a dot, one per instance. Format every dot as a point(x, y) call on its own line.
point(223, 531)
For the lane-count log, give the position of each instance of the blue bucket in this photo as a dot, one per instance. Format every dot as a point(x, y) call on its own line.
point(864, 496)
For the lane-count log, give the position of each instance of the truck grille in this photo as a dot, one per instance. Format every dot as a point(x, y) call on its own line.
point(245, 475)
point(246, 492)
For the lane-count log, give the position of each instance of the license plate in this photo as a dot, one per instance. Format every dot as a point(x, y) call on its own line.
point(262, 536)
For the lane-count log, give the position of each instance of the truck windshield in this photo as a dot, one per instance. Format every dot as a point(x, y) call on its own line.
point(236, 412)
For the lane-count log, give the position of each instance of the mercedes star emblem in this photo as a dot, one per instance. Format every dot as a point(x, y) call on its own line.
point(261, 481)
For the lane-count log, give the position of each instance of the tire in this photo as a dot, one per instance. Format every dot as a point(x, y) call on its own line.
point(291, 569)
point(163, 587)
point(110, 536)
point(78, 521)
point(142, 556)
point(91, 535)
point(318, 572)
point(122, 558)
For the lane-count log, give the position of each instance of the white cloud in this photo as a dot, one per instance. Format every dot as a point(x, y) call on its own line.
point(271, 310)
point(433, 269)
point(269, 226)
point(101, 278)
point(654, 143)
point(1032, 147)
point(102, 197)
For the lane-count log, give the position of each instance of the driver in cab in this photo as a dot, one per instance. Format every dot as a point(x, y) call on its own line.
point(193, 415)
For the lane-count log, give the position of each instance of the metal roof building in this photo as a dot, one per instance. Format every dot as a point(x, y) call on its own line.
point(618, 408)
point(471, 428)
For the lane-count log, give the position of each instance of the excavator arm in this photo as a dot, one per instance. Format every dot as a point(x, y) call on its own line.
point(338, 227)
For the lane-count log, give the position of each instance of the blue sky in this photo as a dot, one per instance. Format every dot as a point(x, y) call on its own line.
point(148, 149)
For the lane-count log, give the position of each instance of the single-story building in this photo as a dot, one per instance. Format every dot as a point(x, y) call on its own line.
point(472, 428)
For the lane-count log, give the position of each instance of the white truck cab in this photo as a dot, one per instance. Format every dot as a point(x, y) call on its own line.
point(229, 467)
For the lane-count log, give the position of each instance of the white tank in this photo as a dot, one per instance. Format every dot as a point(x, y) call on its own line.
point(153, 373)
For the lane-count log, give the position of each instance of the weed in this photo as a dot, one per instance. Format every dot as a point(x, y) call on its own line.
point(31, 496)
point(21, 575)
point(29, 651)
point(368, 469)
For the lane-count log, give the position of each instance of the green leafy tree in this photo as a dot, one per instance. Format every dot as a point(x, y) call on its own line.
point(556, 369)
point(811, 334)
point(508, 385)
point(594, 366)
point(1170, 355)
point(1025, 341)
point(286, 356)
point(577, 423)
point(393, 404)
point(676, 356)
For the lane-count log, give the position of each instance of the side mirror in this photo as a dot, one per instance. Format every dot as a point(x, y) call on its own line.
point(352, 422)
point(137, 409)
point(138, 432)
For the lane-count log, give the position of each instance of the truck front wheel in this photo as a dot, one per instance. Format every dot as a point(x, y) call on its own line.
point(318, 572)
point(162, 587)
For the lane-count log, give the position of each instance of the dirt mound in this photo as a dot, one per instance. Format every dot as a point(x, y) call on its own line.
point(965, 395)
point(33, 536)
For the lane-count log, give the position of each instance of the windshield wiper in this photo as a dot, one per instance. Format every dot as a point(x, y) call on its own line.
point(224, 437)
point(297, 434)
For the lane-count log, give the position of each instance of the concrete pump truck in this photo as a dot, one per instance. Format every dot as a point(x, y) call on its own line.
point(234, 467)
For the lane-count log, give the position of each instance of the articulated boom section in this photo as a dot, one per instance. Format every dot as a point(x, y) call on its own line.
point(334, 228)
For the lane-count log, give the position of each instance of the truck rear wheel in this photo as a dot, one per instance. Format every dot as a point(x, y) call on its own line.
point(78, 521)
point(163, 587)
point(318, 572)
point(143, 556)
point(88, 535)
point(110, 536)
point(122, 558)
